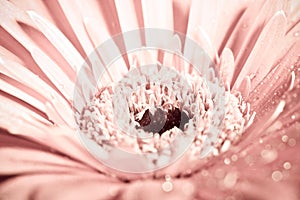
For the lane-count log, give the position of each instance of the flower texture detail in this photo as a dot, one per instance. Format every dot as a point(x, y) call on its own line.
point(228, 128)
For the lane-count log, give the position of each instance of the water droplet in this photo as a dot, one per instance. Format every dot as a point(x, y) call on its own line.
point(292, 142)
point(227, 161)
point(234, 158)
point(277, 176)
point(293, 117)
point(167, 186)
point(261, 140)
point(269, 155)
point(230, 179)
point(167, 177)
point(284, 138)
point(287, 165)
point(296, 34)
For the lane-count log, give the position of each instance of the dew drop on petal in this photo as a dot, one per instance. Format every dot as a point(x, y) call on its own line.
point(227, 161)
point(287, 165)
point(234, 158)
point(277, 176)
point(167, 186)
point(284, 138)
point(296, 34)
point(269, 155)
point(230, 179)
point(167, 177)
point(292, 142)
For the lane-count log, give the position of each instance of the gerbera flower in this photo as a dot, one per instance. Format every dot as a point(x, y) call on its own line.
point(209, 111)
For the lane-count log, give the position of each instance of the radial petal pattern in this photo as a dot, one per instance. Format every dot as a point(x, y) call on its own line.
point(46, 45)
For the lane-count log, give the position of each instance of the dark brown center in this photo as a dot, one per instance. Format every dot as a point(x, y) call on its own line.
point(161, 120)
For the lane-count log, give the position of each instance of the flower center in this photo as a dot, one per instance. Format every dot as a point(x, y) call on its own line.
point(152, 122)
point(145, 118)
